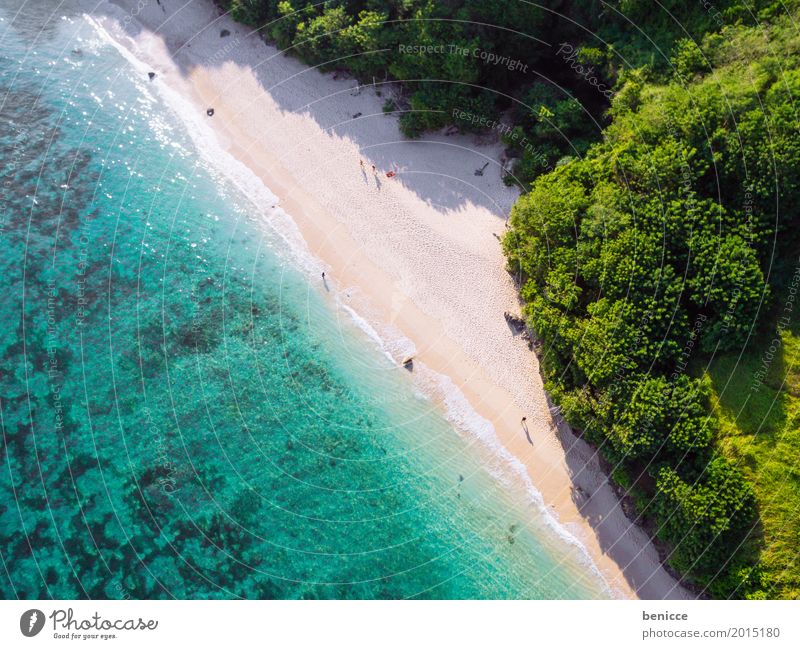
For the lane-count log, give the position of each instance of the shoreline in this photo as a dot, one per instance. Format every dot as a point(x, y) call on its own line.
point(414, 254)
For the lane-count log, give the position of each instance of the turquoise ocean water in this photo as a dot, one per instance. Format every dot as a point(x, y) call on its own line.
point(185, 410)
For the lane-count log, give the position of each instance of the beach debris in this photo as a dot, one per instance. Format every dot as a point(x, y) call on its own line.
point(531, 339)
point(515, 322)
point(151, 75)
point(224, 33)
point(408, 362)
point(479, 172)
point(391, 174)
point(519, 326)
point(508, 166)
point(210, 112)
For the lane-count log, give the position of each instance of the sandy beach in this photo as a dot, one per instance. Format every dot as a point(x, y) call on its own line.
point(417, 255)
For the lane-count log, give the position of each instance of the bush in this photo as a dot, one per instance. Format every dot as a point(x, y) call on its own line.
point(249, 12)
point(704, 519)
point(651, 252)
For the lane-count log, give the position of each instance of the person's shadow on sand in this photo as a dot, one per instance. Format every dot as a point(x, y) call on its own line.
point(527, 432)
point(377, 181)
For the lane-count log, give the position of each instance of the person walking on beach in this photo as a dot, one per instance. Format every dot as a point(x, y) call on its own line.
point(373, 169)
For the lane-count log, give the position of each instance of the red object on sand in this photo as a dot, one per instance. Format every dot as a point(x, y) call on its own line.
point(390, 174)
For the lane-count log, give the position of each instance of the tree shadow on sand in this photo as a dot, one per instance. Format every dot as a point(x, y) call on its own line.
point(332, 103)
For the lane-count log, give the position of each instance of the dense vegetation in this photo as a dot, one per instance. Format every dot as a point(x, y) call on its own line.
point(644, 261)
point(500, 60)
point(656, 243)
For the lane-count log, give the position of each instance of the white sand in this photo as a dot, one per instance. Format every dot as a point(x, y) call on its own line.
point(415, 254)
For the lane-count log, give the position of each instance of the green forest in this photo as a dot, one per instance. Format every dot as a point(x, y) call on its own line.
point(655, 242)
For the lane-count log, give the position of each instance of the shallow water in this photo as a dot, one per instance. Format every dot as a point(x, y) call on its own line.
point(185, 410)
